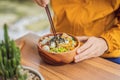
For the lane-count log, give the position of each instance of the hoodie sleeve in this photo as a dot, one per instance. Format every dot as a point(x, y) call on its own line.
point(112, 38)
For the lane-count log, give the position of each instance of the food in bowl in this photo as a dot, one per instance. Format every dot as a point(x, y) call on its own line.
point(60, 43)
point(58, 50)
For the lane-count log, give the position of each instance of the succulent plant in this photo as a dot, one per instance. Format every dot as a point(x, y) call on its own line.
point(10, 66)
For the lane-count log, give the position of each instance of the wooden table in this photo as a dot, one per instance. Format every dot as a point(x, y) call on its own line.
point(92, 69)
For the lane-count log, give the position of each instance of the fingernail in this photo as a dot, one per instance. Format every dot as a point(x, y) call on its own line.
point(44, 5)
point(76, 61)
point(78, 51)
point(76, 57)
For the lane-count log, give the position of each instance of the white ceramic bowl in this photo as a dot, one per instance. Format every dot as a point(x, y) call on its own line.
point(33, 70)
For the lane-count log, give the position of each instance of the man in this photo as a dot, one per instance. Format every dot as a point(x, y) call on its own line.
point(95, 22)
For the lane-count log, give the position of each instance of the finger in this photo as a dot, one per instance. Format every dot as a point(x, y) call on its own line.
point(93, 54)
point(44, 3)
point(86, 52)
point(83, 38)
point(84, 46)
point(39, 2)
point(78, 60)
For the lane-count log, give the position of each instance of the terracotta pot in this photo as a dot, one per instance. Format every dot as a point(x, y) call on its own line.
point(60, 58)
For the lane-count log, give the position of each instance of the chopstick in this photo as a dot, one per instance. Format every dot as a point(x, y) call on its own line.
point(50, 20)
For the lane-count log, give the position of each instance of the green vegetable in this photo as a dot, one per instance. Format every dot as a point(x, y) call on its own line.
point(58, 50)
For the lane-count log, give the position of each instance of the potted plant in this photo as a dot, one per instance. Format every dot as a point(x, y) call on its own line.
point(10, 67)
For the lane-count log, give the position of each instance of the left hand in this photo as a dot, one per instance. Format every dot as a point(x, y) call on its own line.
point(93, 47)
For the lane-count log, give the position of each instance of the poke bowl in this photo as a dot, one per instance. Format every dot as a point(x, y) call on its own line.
point(59, 49)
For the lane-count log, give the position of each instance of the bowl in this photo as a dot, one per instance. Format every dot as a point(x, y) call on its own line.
point(32, 71)
point(57, 58)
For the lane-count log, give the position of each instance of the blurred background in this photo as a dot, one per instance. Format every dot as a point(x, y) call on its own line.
point(22, 17)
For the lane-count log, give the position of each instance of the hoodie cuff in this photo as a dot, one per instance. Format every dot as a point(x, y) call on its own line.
point(112, 46)
point(109, 41)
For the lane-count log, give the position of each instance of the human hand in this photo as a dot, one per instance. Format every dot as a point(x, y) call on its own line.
point(42, 3)
point(93, 47)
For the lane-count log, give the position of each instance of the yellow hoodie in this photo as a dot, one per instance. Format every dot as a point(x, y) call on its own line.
point(89, 18)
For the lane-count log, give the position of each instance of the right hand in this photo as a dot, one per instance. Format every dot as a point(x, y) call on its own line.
point(42, 3)
point(92, 47)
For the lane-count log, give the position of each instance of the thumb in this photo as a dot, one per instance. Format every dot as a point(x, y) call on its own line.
point(82, 38)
